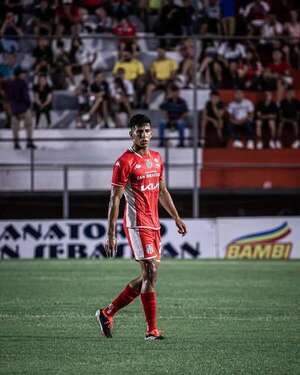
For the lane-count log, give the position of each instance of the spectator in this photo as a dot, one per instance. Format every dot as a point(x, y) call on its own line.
point(68, 17)
point(279, 70)
point(292, 29)
point(42, 100)
point(187, 15)
point(266, 115)
point(43, 18)
point(100, 97)
point(187, 52)
point(17, 95)
point(4, 105)
point(124, 29)
point(210, 18)
point(122, 93)
point(10, 34)
point(120, 9)
point(250, 70)
point(162, 73)
point(82, 93)
point(211, 68)
point(61, 75)
point(175, 111)
point(8, 65)
point(92, 5)
point(99, 23)
point(241, 120)
point(133, 67)
point(272, 27)
point(255, 14)
point(43, 56)
point(289, 114)
point(228, 14)
point(213, 114)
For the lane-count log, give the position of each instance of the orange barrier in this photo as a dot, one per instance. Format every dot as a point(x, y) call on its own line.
point(231, 168)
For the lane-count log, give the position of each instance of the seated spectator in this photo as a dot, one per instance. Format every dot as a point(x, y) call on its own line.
point(92, 5)
point(43, 18)
point(81, 59)
point(210, 73)
point(162, 73)
point(124, 29)
point(187, 15)
point(266, 115)
point(61, 73)
point(240, 112)
point(122, 94)
point(210, 18)
point(228, 14)
point(289, 114)
point(271, 27)
point(68, 17)
point(82, 93)
point(43, 56)
point(250, 70)
point(100, 98)
point(213, 114)
point(42, 100)
point(17, 95)
point(187, 52)
point(15, 7)
point(133, 67)
point(279, 70)
point(255, 15)
point(10, 33)
point(8, 65)
point(119, 9)
point(175, 111)
point(292, 28)
point(99, 23)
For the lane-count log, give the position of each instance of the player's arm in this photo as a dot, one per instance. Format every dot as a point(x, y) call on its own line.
point(166, 201)
point(113, 214)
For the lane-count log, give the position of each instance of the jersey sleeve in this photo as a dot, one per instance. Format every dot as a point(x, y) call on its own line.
point(121, 171)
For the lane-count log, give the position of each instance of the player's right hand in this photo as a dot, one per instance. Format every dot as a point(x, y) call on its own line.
point(111, 246)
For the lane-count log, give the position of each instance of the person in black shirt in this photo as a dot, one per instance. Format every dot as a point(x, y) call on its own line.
point(289, 114)
point(43, 56)
point(266, 114)
point(43, 18)
point(175, 110)
point(42, 100)
point(100, 97)
point(213, 114)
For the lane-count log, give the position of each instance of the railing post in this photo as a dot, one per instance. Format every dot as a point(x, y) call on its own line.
point(32, 169)
point(167, 164)
point(66, 193)
point(195, 134)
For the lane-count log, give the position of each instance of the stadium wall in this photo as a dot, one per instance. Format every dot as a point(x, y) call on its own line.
point(228, 238)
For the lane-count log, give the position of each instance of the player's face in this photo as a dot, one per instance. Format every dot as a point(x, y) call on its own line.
point(141, 135)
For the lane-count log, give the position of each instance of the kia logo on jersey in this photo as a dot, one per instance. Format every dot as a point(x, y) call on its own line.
point(150, 186)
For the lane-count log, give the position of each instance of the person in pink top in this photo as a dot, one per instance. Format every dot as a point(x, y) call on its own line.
point(292, 29)
point(138, 174)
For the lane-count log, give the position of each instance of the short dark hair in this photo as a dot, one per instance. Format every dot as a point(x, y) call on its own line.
point(138, 120)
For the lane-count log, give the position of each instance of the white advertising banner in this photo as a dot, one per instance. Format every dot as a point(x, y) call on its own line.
point(259, 238)
point(86, 238)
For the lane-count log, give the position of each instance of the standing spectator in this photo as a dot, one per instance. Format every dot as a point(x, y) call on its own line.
point(100, 97)
point(210, 18)
point(175, 111)
point(122, 93)
point(241, 120)
point(43, 56)
point(42, 100)
point(187, 15)
point(292, 29)
point(133, 67)
point(4, 105)
point(289, 114)
point(17, 95)
point(213, 114)
point(266, 115)
point(228, 13)
point(10, 33)
point(43, 18)
point(162, 73)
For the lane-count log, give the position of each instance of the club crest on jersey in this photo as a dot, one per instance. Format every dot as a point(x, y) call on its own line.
point(149, 249)
point(148, 163)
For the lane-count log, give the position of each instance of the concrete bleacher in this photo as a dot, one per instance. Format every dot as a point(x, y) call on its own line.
point(51, 156)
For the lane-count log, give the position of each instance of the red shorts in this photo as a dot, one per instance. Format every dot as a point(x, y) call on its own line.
point(144, 243)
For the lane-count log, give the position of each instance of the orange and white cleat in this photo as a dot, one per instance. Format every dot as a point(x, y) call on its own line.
point(105, 322)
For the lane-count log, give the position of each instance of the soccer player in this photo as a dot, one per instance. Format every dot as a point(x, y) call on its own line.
point(138, 174)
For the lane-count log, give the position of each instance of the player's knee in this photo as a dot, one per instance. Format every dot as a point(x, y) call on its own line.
point(150, 271)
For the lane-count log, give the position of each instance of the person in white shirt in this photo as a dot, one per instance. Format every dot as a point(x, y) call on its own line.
point(241, 112)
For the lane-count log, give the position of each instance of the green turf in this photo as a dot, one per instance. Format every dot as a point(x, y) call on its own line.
point(219, 318)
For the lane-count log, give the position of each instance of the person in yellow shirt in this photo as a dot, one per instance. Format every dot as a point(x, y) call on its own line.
point(162, 72)
point(133, 68)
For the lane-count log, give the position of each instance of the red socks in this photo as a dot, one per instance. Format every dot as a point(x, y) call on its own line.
point(124, 298)
point(149, 304)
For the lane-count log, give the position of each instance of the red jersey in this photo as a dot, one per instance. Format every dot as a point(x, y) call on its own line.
point(140, 176)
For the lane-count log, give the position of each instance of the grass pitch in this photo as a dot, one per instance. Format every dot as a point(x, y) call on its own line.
point(219, 317)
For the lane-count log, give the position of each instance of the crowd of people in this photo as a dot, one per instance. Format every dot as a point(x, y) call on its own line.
point(225, 60)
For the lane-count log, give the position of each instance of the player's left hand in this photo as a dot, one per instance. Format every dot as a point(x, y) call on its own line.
point(181, 226)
